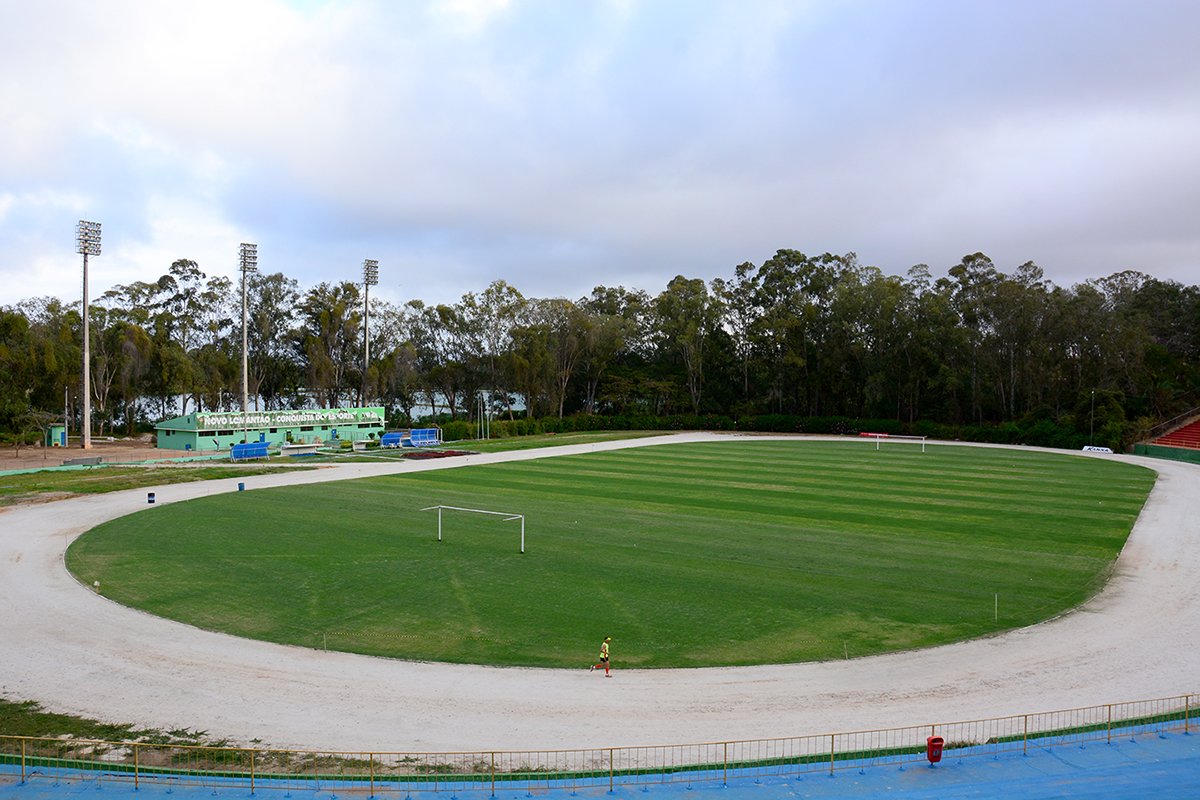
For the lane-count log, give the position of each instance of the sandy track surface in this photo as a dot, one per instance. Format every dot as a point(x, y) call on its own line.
point(76, 652)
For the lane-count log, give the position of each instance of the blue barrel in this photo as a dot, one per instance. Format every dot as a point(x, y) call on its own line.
point(241, 487)
point(150, 498)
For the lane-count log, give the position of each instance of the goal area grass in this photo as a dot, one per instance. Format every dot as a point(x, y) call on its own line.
point(698, 554)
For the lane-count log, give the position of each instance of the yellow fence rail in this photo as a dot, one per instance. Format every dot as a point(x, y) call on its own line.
point(402, 774)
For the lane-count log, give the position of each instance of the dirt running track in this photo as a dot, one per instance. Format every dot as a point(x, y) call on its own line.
point(76, 652)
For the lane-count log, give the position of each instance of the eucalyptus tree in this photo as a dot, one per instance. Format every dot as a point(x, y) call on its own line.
point(604, 338)
point(50, 361)
point(490, 318)
point(457, 375)
point(17, 367)
point(421, 324)
point(533, 366)
point(861, 343)
point(181, 311)
point(792, 290)
point(121, 353)
point(686, 315)
point(632, 305)
point(274, 372)
point(565, 327)
point(740, 314)
point(925, 336)
point(107, 355)
point(798, 334)
point(972, 283)
point(1170, 313)
point(327, 340)
point(618, 352)
point(171, 375)
point(1116, 338)
point(395, 378)
point(547, 346)
point(1167, 314)
point(444, 353)
point(180, 296)
point(387, 332)
point(137, 350)
point(217, 352)
point(1020, 314)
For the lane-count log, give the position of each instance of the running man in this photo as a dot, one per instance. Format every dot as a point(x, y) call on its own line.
point(603, 658)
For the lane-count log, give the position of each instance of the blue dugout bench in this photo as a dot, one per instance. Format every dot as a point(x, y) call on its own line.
point(248, 450)
point(417, 437)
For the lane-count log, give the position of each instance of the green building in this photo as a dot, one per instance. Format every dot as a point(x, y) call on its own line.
point(56, 436)
point(220, 430)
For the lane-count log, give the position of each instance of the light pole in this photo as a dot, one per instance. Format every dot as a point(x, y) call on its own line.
point(370, 278)
point(87, 243)
point(1092, 422)
point(248, 262)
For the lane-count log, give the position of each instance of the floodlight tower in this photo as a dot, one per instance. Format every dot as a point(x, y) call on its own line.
point(248, 262)
point(87, 243)
point(370, 278)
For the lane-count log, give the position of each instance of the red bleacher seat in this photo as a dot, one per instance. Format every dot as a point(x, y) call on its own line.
point(1187, 436)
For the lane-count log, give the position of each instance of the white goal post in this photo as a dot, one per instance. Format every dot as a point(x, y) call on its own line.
point(880, 436)
point(507, 518)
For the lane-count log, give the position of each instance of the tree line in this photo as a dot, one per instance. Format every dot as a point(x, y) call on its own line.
point(795, 337)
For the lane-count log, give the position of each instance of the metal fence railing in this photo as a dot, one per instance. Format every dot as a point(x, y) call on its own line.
point(402, 774)
point(1175, 422)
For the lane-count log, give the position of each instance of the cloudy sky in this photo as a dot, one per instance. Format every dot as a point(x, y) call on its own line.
point(563, 144)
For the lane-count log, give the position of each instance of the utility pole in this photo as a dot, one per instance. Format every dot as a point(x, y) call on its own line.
point(1092, 423)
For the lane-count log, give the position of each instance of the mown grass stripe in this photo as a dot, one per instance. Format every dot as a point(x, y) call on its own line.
point(715, 553)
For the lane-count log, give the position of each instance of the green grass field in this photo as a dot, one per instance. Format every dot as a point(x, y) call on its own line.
point(724, 553)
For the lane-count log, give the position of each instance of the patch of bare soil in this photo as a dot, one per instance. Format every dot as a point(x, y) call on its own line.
point(37, 457)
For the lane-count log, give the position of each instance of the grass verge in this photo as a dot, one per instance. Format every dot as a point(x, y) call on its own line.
point(27, 718)
point(34, 486)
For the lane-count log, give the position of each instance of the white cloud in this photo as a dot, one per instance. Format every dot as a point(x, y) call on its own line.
point(468, 18)
point(562, 144)
point(181, 229)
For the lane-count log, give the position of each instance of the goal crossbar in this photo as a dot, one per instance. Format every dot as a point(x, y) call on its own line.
point(881, 436)
point(508, 517)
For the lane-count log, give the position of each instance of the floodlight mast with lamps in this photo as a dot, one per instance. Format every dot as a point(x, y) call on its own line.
point(370, 278)
point(87, 243)
point(248, 262)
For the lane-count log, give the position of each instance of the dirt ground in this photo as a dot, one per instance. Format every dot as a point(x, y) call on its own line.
point(120, 450)
point(71, 649)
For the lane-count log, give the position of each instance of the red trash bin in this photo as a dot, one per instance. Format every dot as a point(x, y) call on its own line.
point(933, 748)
